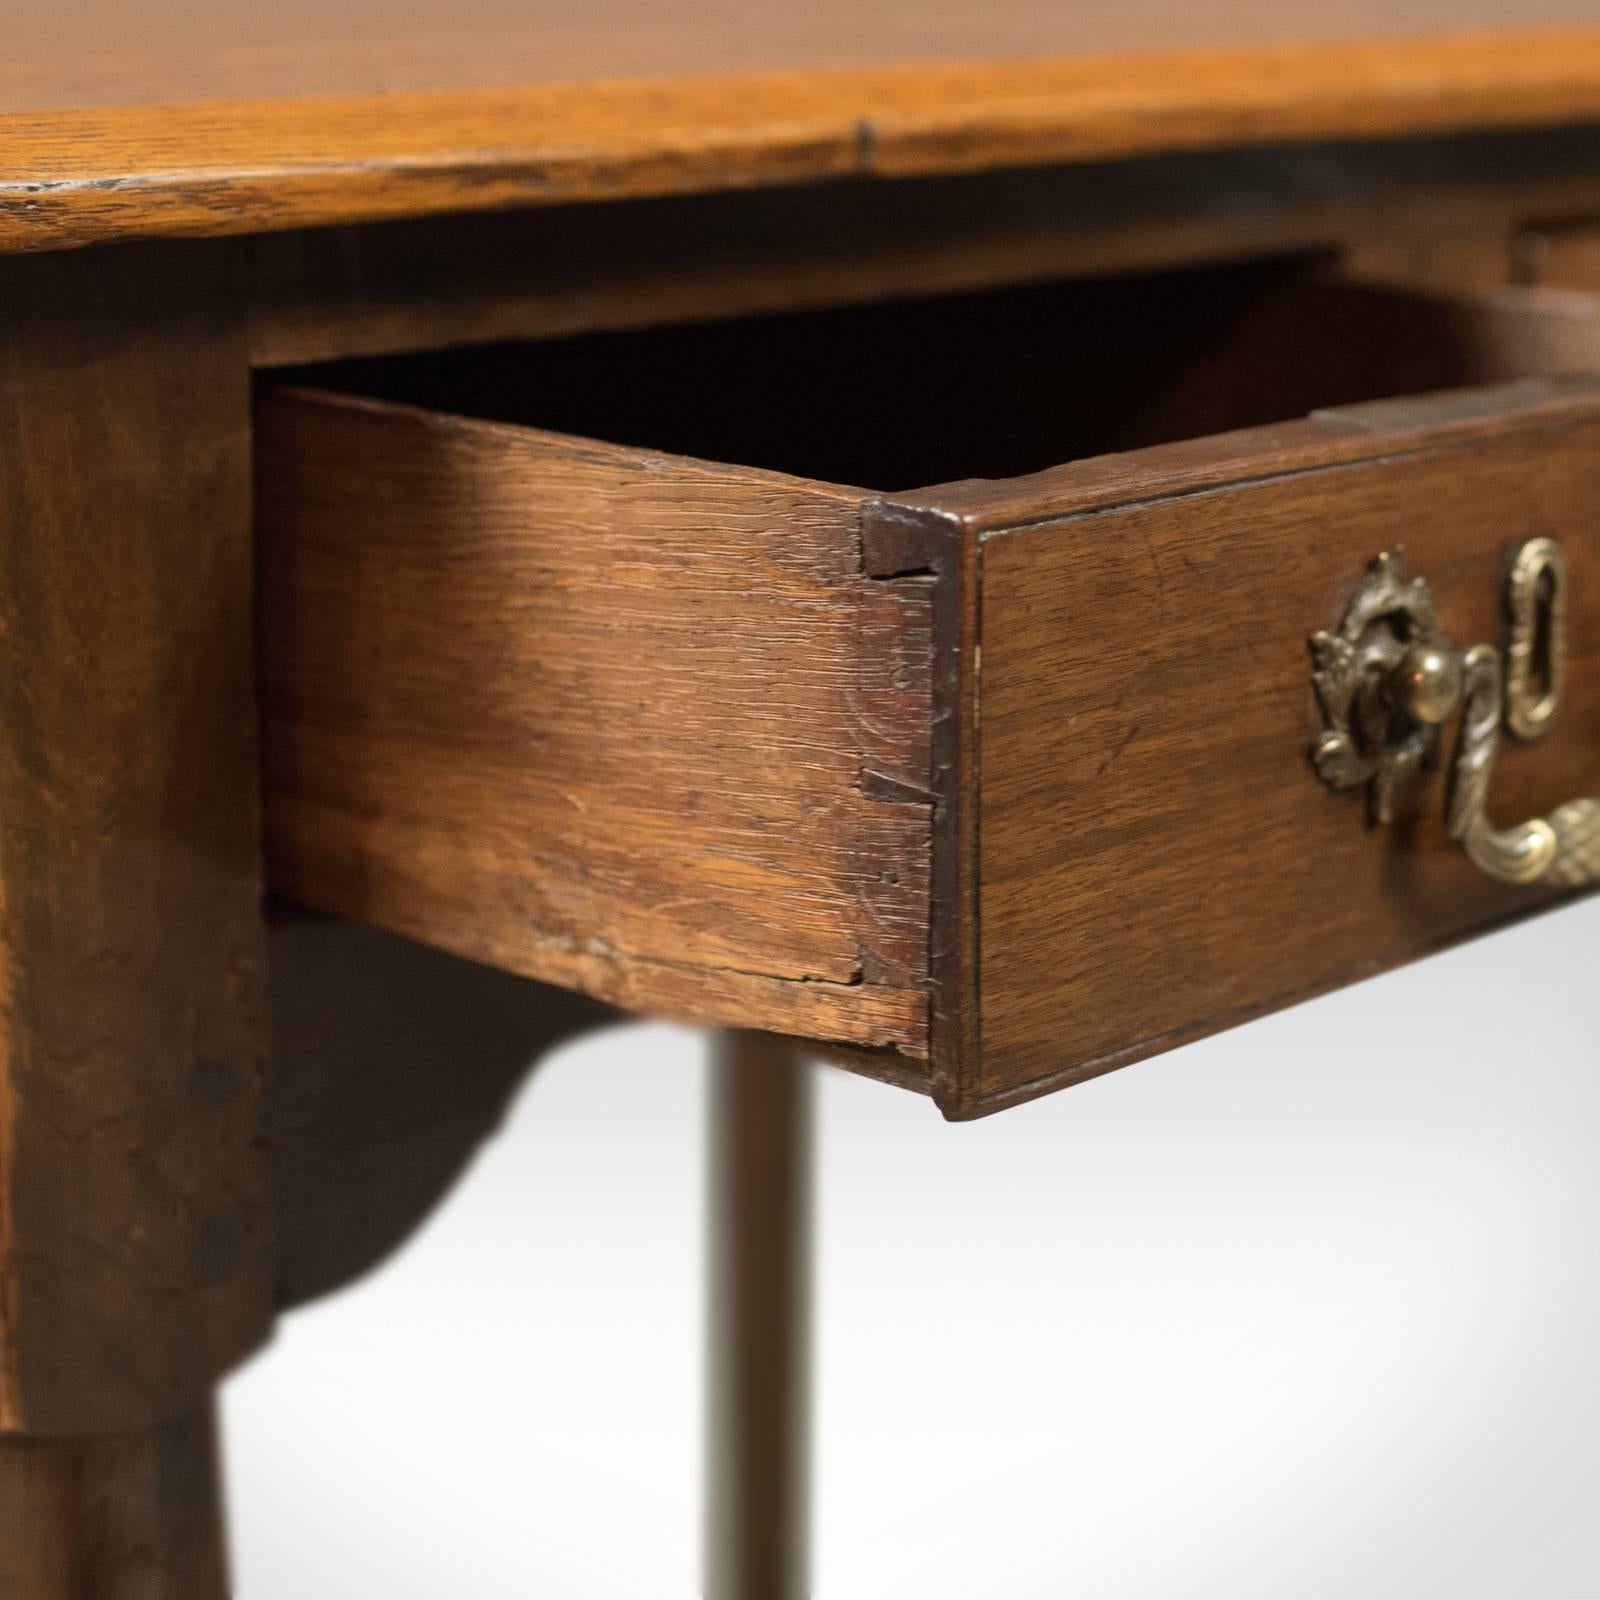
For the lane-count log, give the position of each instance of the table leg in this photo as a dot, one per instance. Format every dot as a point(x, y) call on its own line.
point(136, 1262)
point(132, 1516)
point(759, 1377)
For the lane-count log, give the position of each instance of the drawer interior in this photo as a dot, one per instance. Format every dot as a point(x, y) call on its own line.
point(987, 385)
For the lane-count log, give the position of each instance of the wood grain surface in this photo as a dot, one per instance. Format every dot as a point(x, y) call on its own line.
point(79, 53)
point(135, 1266)
point(1154, 858)
point(167, 120)
point(130, 1516)
point(610, 718)
point(1426, 210)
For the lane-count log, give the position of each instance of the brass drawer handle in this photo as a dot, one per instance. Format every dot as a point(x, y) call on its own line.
point(1387, 680)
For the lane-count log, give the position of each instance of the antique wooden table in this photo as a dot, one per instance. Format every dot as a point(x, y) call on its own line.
point(458, 475)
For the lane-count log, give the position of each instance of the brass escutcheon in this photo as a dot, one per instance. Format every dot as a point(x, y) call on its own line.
point(1536, 649)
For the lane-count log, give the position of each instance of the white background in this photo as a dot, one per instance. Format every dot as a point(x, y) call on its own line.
point(1308, 1311)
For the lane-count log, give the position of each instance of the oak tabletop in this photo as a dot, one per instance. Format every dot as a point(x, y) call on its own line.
point(183, 117)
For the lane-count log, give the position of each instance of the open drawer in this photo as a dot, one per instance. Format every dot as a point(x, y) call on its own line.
point(1000, 784)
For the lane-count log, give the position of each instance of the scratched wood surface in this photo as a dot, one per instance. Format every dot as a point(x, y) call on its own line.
point(179, 119)
point(616, 719)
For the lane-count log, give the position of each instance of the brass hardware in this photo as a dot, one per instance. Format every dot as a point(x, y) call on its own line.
point(1536, 651)
point(1387, 680)
point(1370, 738)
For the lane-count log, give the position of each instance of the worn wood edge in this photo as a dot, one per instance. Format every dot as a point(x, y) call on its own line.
point(83, 177)
point(1330, 438)
point(871, 1015)
point(888, 1067)
point(897, 541)
point(583, 446)
point(1571, 407)
point(1085, 1072)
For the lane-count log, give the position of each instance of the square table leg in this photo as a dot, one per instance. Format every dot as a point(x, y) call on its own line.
point(136, 1261)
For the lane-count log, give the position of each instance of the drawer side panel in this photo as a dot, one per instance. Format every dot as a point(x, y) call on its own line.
point(606, 718)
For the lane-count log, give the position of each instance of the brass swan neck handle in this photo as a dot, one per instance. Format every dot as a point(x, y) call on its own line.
point(1388, 680)
point(1563, 848)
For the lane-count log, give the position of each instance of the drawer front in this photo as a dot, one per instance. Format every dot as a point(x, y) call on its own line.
point(1144, 853)
point(998, 785)
point(628, 722)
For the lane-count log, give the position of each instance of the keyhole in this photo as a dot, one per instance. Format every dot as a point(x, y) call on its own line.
point(1542, 672)
point(1536, 652)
